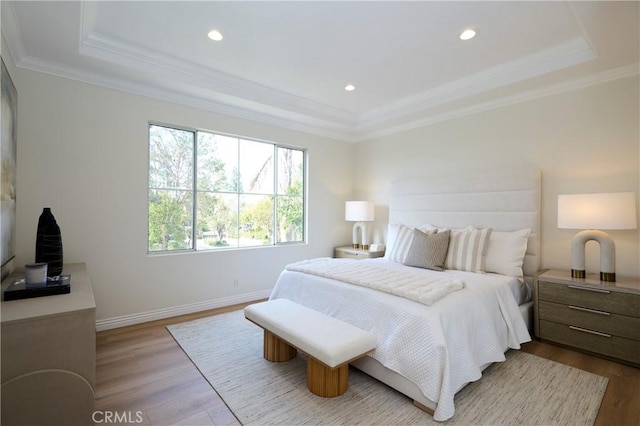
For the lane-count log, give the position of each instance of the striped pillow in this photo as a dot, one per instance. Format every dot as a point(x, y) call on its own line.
point(467, 249)
point(399, 238)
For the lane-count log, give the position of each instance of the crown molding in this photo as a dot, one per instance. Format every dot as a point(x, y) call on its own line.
point(111, 50)
point(285, 119)
point(107, 49)
point(178, 71)
point(572, 52)
point(310, 125)
point(566, 86)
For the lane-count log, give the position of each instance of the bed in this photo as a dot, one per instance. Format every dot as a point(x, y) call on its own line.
point(430, 352)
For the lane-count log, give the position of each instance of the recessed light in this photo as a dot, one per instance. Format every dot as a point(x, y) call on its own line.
point(467, 34)
point(215, 35)
point(349, 87)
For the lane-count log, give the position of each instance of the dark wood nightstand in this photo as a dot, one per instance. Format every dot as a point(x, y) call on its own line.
point(352, 253)
point(585, 313)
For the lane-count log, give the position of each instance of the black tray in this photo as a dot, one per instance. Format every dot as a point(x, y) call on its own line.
point(55, 285)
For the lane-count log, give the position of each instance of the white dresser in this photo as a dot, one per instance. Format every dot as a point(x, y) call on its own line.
point(49, 355)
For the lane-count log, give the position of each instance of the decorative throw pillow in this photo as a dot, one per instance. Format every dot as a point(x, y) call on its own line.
point(428, 250)
point(467, 249)
point(399, 239)
point(505, 252)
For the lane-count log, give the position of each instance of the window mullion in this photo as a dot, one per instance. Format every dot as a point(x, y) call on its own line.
point(238, 195)
point(194, 194)
point(274, 237)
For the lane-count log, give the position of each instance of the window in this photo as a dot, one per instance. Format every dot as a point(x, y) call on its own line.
point(209, 191)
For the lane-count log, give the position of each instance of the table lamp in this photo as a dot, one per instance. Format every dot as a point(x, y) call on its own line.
point(592, 212)
point(359, 212)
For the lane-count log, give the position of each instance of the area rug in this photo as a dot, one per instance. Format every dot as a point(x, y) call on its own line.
point(524, 390)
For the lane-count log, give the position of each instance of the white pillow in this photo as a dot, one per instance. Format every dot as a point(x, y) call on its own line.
point(427, 227)
point(505, 252)
point(399, 238)
point(467, 249)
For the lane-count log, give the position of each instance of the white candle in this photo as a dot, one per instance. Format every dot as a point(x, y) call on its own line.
point(35, 275)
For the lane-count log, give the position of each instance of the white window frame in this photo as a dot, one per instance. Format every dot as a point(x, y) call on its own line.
point(194, 192)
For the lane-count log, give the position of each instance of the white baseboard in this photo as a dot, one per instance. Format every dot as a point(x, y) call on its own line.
point(158, 314)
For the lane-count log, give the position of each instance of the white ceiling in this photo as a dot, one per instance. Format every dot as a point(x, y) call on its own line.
point(286, 63)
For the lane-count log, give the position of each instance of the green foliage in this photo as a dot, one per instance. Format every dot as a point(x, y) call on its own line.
point(215, 215)
point(257, 219)
point(291, 214)
point(169, 221)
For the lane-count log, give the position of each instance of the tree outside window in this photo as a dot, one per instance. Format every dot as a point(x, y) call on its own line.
point(209, 191)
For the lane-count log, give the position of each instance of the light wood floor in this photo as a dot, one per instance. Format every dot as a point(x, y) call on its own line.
point(141, 371)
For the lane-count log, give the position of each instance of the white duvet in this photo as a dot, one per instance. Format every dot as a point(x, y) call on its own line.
point(439, 347)
point(405, 282)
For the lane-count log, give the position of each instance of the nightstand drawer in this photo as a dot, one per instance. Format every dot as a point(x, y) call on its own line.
point(589, 340)
point(617, 325)
point(592, 298)
point(351, 253)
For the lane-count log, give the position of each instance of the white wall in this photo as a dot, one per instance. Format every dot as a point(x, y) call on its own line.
point(83, 151)
point(585, 140)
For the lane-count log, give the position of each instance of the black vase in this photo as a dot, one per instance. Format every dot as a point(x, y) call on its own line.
point(49, 243)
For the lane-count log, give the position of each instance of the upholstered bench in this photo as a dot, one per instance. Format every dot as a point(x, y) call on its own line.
point(330, 344)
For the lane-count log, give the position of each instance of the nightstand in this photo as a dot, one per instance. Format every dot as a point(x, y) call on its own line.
point(351, 253)
point(588, 314)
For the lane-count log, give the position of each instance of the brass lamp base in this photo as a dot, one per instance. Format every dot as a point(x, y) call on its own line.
point(577, 273)
point(609, 277)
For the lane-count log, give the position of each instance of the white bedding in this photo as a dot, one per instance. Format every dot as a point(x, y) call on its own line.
point(404, 282)
point(440, 347)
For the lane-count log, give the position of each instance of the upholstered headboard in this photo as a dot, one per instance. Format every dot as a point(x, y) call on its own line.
point(504, 201)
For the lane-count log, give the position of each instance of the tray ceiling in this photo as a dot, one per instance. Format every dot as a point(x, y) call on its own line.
point(287, 63)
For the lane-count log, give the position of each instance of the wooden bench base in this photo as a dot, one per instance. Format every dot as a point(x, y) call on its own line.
point(327, 382)
point(276, 349)
point(321, 380)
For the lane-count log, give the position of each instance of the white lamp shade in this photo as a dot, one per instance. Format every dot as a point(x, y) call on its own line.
point(614, 210)
point(358, 211)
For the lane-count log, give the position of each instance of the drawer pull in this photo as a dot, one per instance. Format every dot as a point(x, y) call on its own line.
point(595, 290)
point(584, 330)
point(593, 311)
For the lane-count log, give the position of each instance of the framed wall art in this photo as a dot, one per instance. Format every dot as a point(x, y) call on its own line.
point(8, 148)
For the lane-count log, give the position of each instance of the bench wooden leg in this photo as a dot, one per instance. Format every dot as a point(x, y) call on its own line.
point(324, 381)
point(277, 350)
